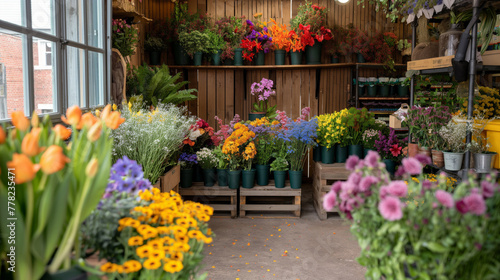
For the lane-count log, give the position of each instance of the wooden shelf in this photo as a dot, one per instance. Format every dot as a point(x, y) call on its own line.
point(125, 8)
point(378, 65)
point(440, 65)
point(262, 67)
point(385, 98)
point(382, 112)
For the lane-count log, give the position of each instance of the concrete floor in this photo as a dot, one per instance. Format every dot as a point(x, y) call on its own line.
point(305, 248)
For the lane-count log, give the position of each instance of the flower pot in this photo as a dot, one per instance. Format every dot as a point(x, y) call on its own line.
point(334, 59)
point(424, 151)
point(448, 41)
point(262, 174)
point(313, 53)
point(186, 178)
point(279, 179)
point(296, 57)
point(197, 58)
point(216, 58)
point(259, 58)
point(365, 151)
point(222, 177)
point(402, 89)
point(209, 177)
point(317, 154)
point(197, 173)
point(327, 154)
point(180, 55)
point(484, 162)
point(412, 149)
point(228, 62)
point(437, 158)
point(372, 90)
point(356, 150)
point(154, 58)
point(234, 178)
point(390, 166)
point(248, 177)
point(74, 273)
point(238, 57)
point(360, 58)
point(279, 57)
point(257, 115)
point(453, 161)
point(341, 153)
point(295, 179)
point(384, 90)
point(361, 86)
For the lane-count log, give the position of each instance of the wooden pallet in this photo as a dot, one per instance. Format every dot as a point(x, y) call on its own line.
point(325, 175)
point(222, 199)
point(262, 199)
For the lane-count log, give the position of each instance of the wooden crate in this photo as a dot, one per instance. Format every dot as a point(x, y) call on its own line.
point(222, 199)
point(430, 63)
point(325, 175)
point(263, 199)
point(170, 180)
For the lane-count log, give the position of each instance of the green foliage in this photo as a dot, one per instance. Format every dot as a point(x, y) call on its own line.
point(356, 122)
point(194, 41)
point(138, 79)
point(215, 42)
point(223, 159)
point(124, 37)
point(154, 44)
point(279, 164)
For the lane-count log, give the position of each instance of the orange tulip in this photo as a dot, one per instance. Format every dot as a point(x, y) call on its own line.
point(74, 115)
point(88, 120)
point(20, 121)
point(92, 168)
point(94, 132)
point(61, 131)
point(114, 120)
point(105, 112)
point(24, 169)
point(2, 135)
point(29, 146)
point(53, 160)
point(35, 120)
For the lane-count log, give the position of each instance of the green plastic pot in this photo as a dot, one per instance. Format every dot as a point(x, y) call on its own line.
point(154, 58)
point(216, 58)
point(360, 58)
point(180, 55)
point(253, 116)
point(295, 179)
point(209, 177)
point(372, 90)
point(341, 154)
point(186, 178)
point(197, 58)
point(234, 178)
point(238, 57)
point(403, 90)
point(361, 90)
point(279, 57)
point(296, 57)
point(222, 177)
point(327, 155)
point(356, 150)
point(334, 59)
point(279, 179)
point(317, 154)
point(390, 165)
point(313, 53)
point(384, 90)
point(260, 58)
point(197, 173)
point(262, 174)
point(248, 177)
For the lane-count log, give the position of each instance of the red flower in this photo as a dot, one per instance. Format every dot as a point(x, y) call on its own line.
point(395, 150)
point(248, 56)
point(188, 142)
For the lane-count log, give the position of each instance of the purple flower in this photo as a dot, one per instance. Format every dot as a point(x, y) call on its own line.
point(423, 159)
point(351, 162)
point(329, 200)
point(461, 206)
point(487, 188)
point(372, 159)
point(390, 208)
point(366, 183)
point(249, 22)
point(412, 166)
point(475, 203)
point(445, 198)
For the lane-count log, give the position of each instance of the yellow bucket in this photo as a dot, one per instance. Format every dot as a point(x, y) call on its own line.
point(492, 131)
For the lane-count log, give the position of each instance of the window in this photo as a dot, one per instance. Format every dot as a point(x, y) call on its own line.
point(53, 54)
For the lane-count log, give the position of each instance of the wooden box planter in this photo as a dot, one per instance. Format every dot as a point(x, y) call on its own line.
point(263, 199)
point(325, 175)
point(170, 180)
point(222, 199)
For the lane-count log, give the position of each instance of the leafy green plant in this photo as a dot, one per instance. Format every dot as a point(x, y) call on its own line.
point(124, 37)
point(279, 164)
point(138, 79)
point(215, 42)
point(356, 122)
point(223, 160)
point(194, 41)
point(154, 44)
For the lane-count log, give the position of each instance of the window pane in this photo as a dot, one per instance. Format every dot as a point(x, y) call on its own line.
point(74, 20)
point(44, 75)
point(13, 74)
point(95, 23)
point(43, 15)
point(76, 77)
point(96, 78)
point(12, 11)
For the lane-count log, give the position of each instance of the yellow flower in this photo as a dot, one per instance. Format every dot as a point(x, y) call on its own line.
point(177, 256)
point(173, 266)
point(195, 234)
point(156, 243)
point(157, 254)
point(181, 247)
point(152, 263)
point(115, 107)
point(109, 267)
point(143, 251)
point(131, 266)
point(135, 241)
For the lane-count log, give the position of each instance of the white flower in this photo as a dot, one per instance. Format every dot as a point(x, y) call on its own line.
point(194, 135)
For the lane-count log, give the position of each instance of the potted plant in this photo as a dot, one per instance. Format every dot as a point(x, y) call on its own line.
point(51, 187)
point(232, 29)
point(297, 47)
point(234, 147)
point(208, 161)
point(339, 33)
point(417, 120)
point(328, 135)
point(310, 23)
point(187, 162)
point(222, 166)
point(265, 146)
point(453, 135)
point(279, 166)
point(215, 46)
point(124, 37)
point(438, 118)
point(195, 43)
point(281, 41)
point(356, 122)
point(248, 173)
point(480, 146)
point(369, 138)
point(154, 46)
point(360, 44)
point(264, 90)
point(389, 147)
point(257, 42)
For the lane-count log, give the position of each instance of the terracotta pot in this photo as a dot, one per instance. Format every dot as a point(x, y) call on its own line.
point(437, 158)
point(424, 151)
point(412, 149)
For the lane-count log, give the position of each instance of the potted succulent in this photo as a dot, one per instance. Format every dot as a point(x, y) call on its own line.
point(154, 46)
point(453, 135)
point(208, 161)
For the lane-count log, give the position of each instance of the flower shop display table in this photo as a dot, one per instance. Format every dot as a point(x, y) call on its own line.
point(325, 175)
point(222, 199)
point(262, 199)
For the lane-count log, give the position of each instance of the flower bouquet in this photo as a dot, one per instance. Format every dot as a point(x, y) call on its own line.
point(256, 39)
point(264, 90)
point(240, 149)
point(207, 161)
point(434, 239)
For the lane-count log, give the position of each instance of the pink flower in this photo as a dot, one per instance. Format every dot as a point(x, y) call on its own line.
point(336, 186)
point(371, 159)
point(412, 166)
point(423, 159)
point(445, 198)
point(475, 204)
point(355, 178)
point(390, 208)
point(351, 162)
point(395, 150)
point(366, 183)
point(347, 190)
point(329, 200)
point(487, 188)
point(461, 206)
point(398, 188)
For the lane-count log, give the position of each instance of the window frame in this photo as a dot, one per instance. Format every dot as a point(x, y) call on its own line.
point(60, 55)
